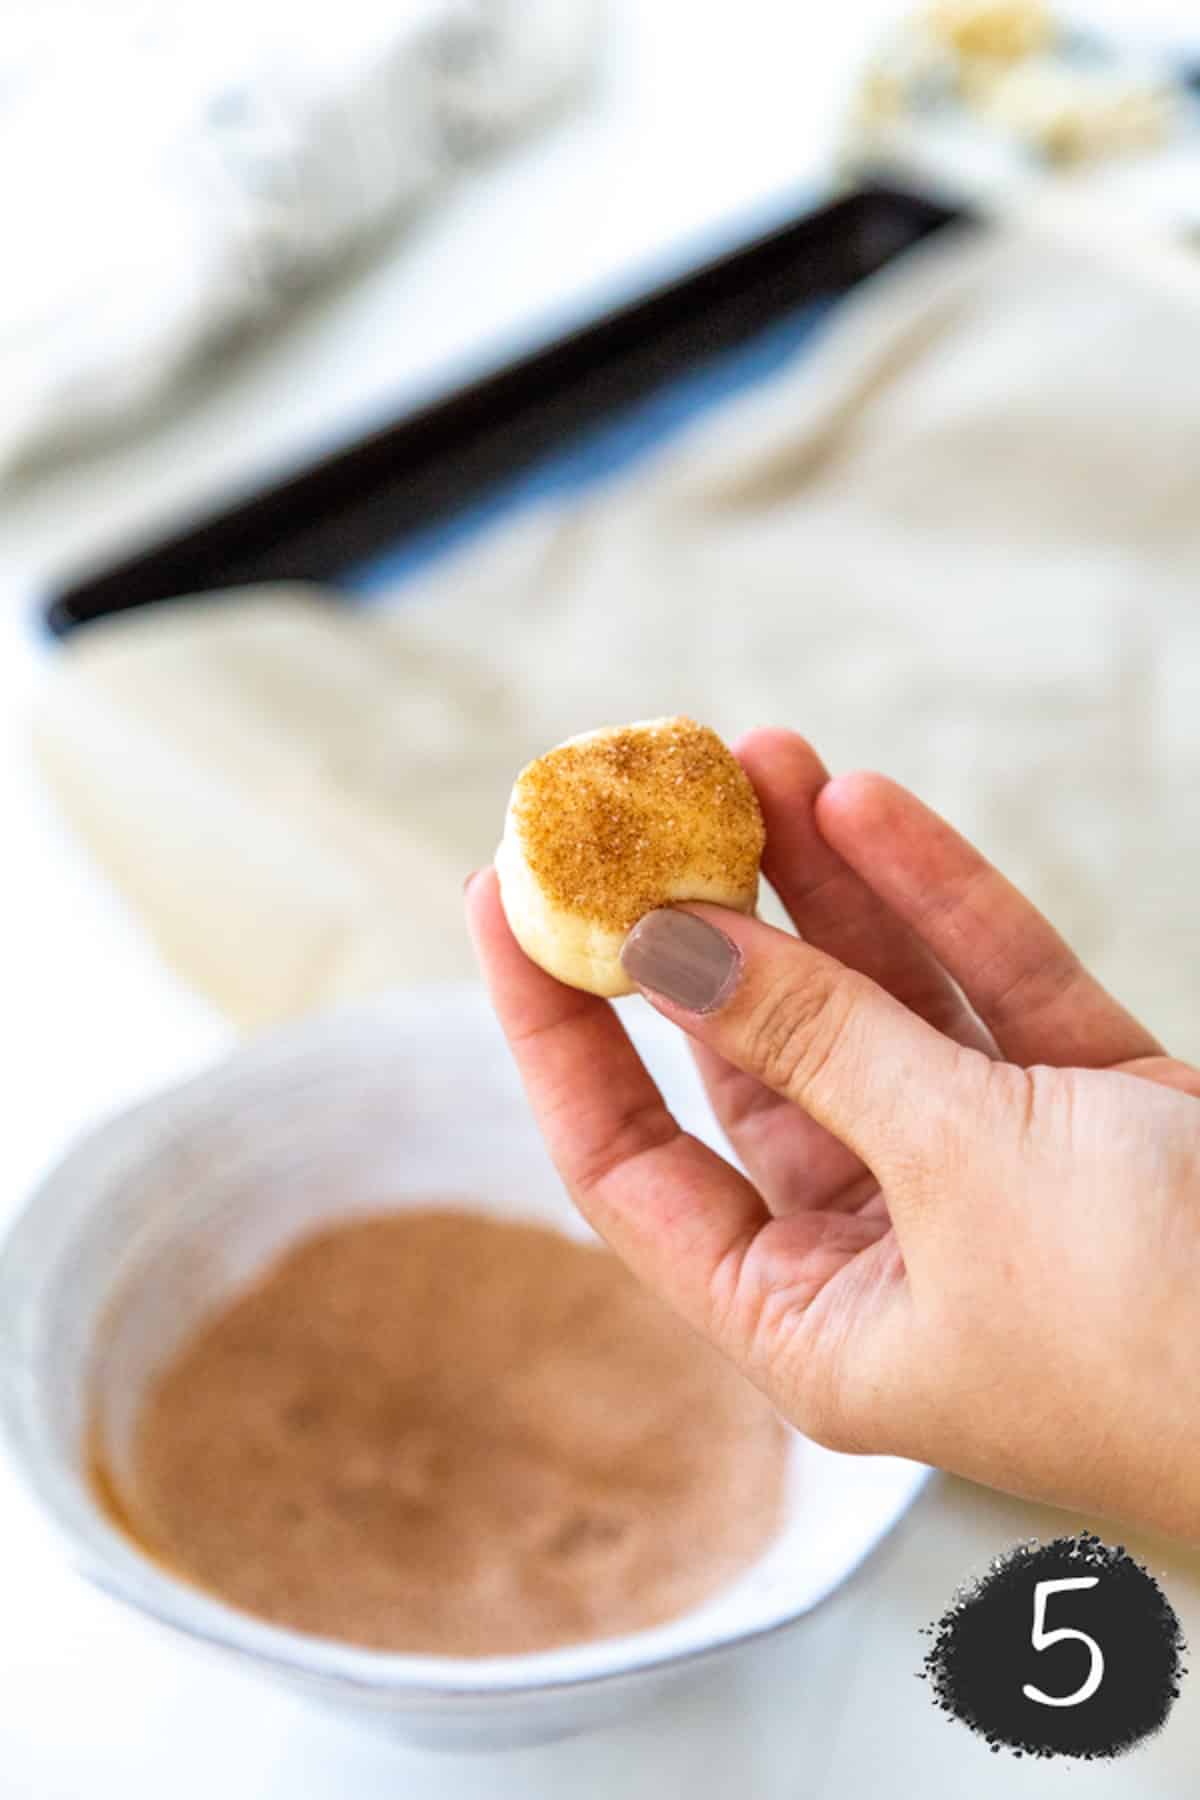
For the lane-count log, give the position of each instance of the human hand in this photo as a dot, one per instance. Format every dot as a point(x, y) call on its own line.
point(969, 1228)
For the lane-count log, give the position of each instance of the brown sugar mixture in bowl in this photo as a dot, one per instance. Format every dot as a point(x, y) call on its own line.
point(436, 1432)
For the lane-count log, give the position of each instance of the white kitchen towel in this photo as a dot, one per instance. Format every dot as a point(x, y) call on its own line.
point(959, 541)
point(171, 174)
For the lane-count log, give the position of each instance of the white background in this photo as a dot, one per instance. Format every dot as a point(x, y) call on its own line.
point(705, 119)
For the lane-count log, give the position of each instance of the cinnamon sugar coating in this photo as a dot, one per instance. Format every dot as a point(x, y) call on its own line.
point(618, 823)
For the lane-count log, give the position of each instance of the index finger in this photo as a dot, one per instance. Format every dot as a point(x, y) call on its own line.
point(680, 1215)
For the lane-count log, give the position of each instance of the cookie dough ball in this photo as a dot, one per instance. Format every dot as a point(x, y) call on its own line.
point(613, 824)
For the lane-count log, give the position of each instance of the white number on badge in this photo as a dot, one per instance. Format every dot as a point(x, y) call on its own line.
point(1042, 1640)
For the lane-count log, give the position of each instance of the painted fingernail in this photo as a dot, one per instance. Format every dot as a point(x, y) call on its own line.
point(683, 958)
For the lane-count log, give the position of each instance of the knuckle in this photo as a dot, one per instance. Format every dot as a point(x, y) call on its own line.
point(1032, 990)
point(952, 1143)
point(1025, 1097)
point(731, 1320)
point(644, 1128)
point(797, 1030)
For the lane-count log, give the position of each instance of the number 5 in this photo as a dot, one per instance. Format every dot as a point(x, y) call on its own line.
point(1042, 1640)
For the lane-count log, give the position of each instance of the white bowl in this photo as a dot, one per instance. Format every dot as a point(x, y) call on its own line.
point(151, 1219)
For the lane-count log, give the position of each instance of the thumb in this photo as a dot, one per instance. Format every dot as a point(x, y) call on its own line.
point(884, 1082)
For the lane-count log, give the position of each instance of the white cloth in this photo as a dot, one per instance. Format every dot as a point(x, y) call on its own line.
point(171, 173)
point(961, 543)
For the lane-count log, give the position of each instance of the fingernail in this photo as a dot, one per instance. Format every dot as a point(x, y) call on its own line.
point(469, 880)
point(683, 958)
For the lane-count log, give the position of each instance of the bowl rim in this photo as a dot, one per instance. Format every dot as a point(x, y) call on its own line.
point(112, 1562)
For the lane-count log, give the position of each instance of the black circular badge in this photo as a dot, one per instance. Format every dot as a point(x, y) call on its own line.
point(1062, 1649)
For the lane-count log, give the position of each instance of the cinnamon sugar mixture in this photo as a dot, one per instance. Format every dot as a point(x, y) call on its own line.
point(609, 825)
point(432, 1431)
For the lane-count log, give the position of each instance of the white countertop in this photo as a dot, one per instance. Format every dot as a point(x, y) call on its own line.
point(705, 121)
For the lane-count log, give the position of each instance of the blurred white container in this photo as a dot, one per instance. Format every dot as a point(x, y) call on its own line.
point(154, 1217)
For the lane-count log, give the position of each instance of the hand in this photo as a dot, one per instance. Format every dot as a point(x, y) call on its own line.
point(969, 1228)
